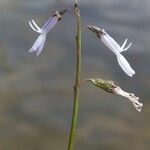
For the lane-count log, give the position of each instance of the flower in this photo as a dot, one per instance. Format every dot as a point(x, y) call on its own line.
point(132, 98)
point(115, 48)
point(38, 45)
point(112, 87)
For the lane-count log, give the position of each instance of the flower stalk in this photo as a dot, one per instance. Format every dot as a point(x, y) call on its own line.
point(77, 80)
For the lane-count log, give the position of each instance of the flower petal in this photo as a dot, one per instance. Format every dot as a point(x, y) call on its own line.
point(107, 40)
point(123, 45)
point(50, 24)
point(125, 65)
point(130, 44)
point(34, 28)
point(114, 43)
point(40, 48)
point(130, 96)
point(37, 44)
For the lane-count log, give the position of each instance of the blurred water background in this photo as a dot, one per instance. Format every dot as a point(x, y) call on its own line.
point(36, 92)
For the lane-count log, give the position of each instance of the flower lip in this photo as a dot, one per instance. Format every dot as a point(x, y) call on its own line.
point(38, 45)
point(125, 65)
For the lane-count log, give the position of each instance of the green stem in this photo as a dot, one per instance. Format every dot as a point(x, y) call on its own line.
point(77, 81)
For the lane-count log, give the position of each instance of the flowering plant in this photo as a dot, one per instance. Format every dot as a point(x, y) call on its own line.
point(107, 85)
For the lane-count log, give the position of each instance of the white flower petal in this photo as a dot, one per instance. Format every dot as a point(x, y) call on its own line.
point(128, 47)
point(114, 43)
point(105, 38)
point(37, 44)
point(36, 26)
point(33, 28)
point(117, 46)
point(123, 45)
point(125, 65)
point(132, 98)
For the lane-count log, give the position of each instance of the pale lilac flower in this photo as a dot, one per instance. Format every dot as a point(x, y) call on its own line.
point(115, 48)
point(38, 45)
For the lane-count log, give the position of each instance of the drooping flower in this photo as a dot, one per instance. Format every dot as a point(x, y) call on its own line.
point(112, 87)
point(38, 45)
point(115, 48)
